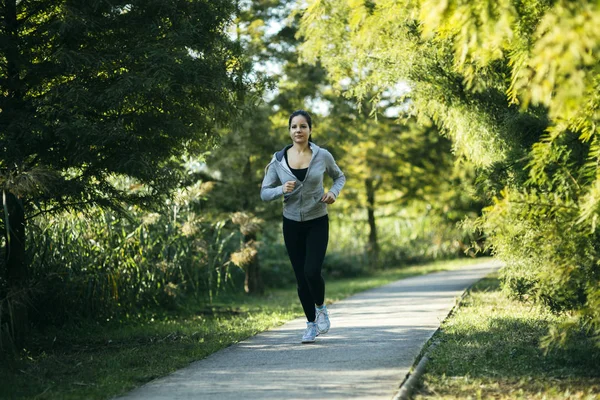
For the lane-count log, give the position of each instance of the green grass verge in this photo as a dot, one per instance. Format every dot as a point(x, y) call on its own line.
point(490, 348)
point(93, 361)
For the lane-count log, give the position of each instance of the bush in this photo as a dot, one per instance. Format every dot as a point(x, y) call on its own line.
point(99, 266)
point(550, 258)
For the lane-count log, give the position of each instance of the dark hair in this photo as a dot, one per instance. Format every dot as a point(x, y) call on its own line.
point(305, 115)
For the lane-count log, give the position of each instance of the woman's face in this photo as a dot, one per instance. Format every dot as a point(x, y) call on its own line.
point(299, 129)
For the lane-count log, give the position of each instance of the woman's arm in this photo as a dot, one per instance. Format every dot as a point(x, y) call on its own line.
point(332, 169)
point(271, 188)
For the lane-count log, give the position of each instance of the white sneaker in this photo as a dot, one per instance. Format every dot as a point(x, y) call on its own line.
point(322, 320)
point(310, 333)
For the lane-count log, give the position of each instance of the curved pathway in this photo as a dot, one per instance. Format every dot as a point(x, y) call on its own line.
point(373, 342)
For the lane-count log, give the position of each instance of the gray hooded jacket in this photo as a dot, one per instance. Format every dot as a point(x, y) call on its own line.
point(304, 202)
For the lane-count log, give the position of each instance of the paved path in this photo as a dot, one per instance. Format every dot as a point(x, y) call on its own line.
point(374, 339)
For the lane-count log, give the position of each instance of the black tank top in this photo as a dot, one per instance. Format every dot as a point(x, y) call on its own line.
point(298, 173)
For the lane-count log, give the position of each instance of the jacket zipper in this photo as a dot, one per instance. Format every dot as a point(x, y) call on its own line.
point(305, 178)
point(286, 168)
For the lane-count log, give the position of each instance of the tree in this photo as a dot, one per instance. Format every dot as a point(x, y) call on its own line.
point(352, 135)
point(515, 85)
point(246, 144)
point(94, 91)
point(240, 159)
point(279, 86)
point(392, 165)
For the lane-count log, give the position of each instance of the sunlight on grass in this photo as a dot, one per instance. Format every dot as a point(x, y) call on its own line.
point(490, 348)
point(97, 362)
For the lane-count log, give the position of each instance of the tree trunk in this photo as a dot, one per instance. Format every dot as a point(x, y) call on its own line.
point(372, 245)
point(16, 268)
point(253, 283)
point(13, 213)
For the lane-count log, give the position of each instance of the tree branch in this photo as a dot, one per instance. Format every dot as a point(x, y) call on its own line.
point(60, 207)
point(39, 8)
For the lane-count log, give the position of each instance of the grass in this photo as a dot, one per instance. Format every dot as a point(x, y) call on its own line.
point(490, 348)
point(93, 361)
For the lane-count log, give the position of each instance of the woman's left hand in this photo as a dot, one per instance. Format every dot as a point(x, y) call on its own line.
point(328, 198)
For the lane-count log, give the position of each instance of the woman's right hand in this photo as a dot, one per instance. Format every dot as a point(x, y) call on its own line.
point(289, 186)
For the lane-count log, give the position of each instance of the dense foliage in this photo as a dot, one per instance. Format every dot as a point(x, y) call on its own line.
point(143, 146)
point(515, 85)
point(99, 101)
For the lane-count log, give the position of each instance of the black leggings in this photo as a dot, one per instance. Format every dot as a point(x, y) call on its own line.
point(306, 244)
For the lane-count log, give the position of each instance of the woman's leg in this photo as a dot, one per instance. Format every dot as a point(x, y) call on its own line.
point(316, 247)
point(294, 235)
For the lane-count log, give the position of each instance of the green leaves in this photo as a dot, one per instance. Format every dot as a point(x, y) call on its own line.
point(564, 59)
point(514, 85)
point(113, 89)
